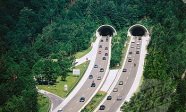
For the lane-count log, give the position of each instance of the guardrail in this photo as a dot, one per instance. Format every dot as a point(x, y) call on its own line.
point(79, 78)
point(104, 94)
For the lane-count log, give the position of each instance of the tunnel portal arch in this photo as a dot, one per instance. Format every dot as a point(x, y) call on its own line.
point(105, 30)
point(137, 30)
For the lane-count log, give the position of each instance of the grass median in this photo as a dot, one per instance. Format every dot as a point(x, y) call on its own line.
point(94, 100)
point(58, 87)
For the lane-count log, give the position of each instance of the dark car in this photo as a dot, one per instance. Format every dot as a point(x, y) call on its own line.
point(104, 58)
point(107, 39)
point(90, 76)
point(95, 66)
point(109, 97)
point(106, 48)
point(120, 82)
point(124, 70)
point(101, 70)
point(82, 99)
point(93, 84)
point(130, 52)
point(106, 54)
point(139, 38)
point(101, 40)
point(102, 107)
point(137, 52)
point(100, 46)
point(130, 60)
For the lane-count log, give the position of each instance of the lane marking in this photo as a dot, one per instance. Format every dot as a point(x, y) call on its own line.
point(77, 101)
point(122, 88)
point(131, 65)
point(108, 108)
point(125, 82)
point(83, 94)
point(113, 101)
point(129, 72)
point(127, 77)
point(70, 109)
point(87, 88)
point(130, 68)
point(118, 94)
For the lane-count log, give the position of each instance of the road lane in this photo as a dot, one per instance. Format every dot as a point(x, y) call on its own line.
point(74, 105)
point(113, 105)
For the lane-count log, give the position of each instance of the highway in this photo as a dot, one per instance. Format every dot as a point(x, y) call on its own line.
point(127, 78)
point(86, 90)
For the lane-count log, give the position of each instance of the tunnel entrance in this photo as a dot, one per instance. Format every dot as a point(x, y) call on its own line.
point(137, 30)
point(105, 30)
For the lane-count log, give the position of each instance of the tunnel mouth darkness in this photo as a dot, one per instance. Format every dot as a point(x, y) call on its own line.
point(105, 30)
point(138, 30)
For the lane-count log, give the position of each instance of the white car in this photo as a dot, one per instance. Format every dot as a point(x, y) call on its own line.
point(133, 41)
point(132, 46)
point(138, 47)
point(137, 43)
point(129, 56)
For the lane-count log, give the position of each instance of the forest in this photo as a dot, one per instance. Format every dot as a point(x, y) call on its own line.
point(34, 32)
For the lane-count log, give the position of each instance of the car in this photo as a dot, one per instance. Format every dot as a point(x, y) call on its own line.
point(82, 99)
point(133, 41)
point(106, 48)
point(99, 78)
point(130, 52)
point(124, 70)
point(101, 70)
point(90, 76)
point(129, 56)
point(130, 60)
point(107, 39)
point(115, 89)
point(104, 58)
point(138, 47)
point(95, 66)
point(101, 40)
point(139, 38)
point(137, 43)
point(109, 97)
point(119, 97)
point(93, 84)
point(120, 82)
point(106, 54)
point(102, 107)
point(100, 46)
point(99, 52)
point(132, 46)
point(137, 52)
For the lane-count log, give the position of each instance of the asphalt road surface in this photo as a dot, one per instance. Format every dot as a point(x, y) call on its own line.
point(86, 90)
point(127, 78)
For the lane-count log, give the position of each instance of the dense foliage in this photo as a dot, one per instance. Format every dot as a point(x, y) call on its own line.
point(33, 33)
point(165, 62)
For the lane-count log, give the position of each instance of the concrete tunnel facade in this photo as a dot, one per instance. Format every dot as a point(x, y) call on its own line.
point(137, 30)
point(105, 30)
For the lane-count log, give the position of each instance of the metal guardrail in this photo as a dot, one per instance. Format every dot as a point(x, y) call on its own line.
point(79, 78)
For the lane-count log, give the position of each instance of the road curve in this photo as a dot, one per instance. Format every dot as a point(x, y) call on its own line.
point(127, 78)
point(86, 90)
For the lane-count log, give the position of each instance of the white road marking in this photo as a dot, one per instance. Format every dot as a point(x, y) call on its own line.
point(131, 65)
point(83, 94)
point(101, 61)
point(108, 108)
point(129, 72)
point(87, 88)
point(70, 109)
point(113, 101)
point(130, 68)
point(125, 82)
point(137, 61)
point(77, 101)
point(122, 88)
point(133, 58)
point(118, 94)
point(127, 77)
